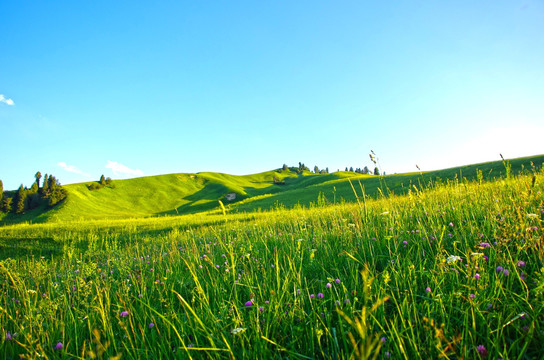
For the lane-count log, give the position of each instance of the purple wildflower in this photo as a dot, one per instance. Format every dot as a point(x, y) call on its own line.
point(151, 325)
point(312, 296)
point(485, 245)
point(328, 286)
point(320, 295)
point(427, 289)
point(472, 296)
point(500, 268)
point(261, 309)
point(337, 281)
point(405, 242)
point(521, 263)
point(506, 272)
point(8, 336)
point(383, 339)
point(249, 303)
point(59, 346)
point(123, 314)
point(477, 276)
point(481, 350)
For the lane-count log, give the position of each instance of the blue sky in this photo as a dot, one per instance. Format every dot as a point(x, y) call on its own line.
point(131, 88)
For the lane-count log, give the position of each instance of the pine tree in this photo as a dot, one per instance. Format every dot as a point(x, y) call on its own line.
point(1, 192)
point(316, 169)
point(45, 186)
point(102, 180)
point(366, 170)
point(7, 204)
point(376, 171)
point(20, 200)
point(38, 176)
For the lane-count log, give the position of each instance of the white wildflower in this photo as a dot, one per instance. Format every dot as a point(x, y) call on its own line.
point(453, 258)
point(237, 331)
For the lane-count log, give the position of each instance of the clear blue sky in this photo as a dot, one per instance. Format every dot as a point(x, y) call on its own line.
point(129, 88)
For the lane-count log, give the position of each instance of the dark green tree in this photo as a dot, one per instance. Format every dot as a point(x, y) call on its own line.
point(45, 186)
point(285, 167)
point(38, 176)
point(20, 200)
point(1, 191)
point(376, 171)
point(316, 169)
point(366, 170)
point(7, 204)
point(102, 180)
point(351, 168)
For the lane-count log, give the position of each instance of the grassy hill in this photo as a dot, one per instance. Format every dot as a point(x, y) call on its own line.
point(193, 193)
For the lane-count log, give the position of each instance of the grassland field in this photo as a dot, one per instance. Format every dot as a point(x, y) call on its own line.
point(418, 268)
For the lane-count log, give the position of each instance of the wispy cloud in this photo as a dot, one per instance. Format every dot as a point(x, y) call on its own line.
point(72, 169)
point(120, 169)
point(6, 100)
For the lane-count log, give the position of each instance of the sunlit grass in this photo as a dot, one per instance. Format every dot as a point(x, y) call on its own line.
point(453, 271)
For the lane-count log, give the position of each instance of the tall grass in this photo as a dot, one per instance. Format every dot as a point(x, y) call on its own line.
point(452, 271)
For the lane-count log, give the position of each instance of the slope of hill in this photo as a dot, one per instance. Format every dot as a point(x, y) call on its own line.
point(174, 194)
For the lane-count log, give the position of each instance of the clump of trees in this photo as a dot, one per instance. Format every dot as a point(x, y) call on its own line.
point(50, 194)
point(104, 181)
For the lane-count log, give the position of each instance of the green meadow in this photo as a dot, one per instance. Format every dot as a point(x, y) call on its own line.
point(439, 265)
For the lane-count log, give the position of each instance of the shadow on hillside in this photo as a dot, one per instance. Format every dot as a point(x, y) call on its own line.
point(29, 247)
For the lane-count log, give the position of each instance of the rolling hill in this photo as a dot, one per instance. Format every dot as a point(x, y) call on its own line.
point(173, 194)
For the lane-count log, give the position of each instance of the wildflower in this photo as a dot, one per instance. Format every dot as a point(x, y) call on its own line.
point(237, 331)
point(337, 281)
point(8, 336)
point(320, 295)
point(151, 325)
point(59, 346)
point(328, 286)
point(249, 303)
point(453, 258)
point(472, 296)
point(123, 314)
point(506, 272)
point(450, 224)
point(261, 309)
point(427, 289)
point(476, 276)
point(481, 350)
point(383, 339)
point(312, 296)
point(500, 268)
point(346, 301)
point(387, 354)
point(521, 263)
point(405, 242)
point(485, 245)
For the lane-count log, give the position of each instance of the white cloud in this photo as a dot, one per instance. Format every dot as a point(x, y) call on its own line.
point(6, 100)
point(72, 169)
point(120, 169)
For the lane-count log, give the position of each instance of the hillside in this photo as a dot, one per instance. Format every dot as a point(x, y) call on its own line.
point(174, 194)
